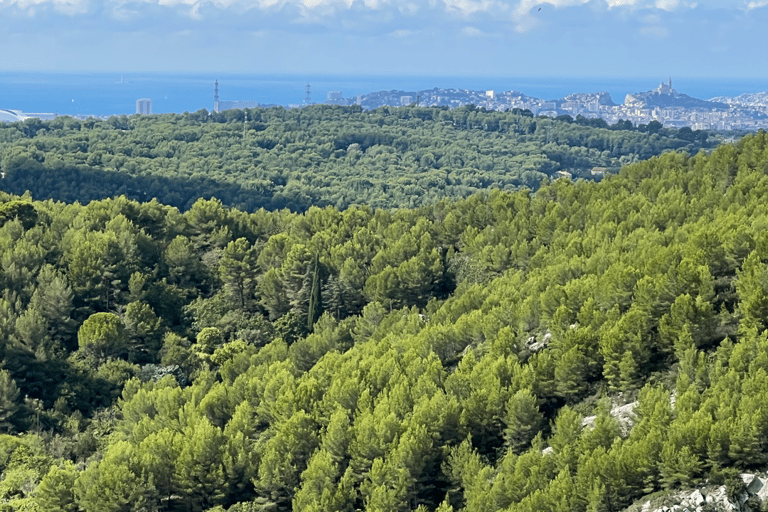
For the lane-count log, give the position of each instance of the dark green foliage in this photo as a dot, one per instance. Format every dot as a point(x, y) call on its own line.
point(23, 211)
point(9, 401)
point(318, 155)
point(734, 487)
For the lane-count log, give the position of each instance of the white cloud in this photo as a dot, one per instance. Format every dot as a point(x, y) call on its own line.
point(757, 5)
point(473, 32)
point(70, 7)
point(361, 17)
point(667, 5)
point(466, 8)
point(621, 3)
point(409, 8)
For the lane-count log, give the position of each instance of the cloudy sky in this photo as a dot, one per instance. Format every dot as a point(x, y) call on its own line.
point(611, 38)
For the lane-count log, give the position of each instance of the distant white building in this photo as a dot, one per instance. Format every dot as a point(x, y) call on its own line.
point(144, 106)
point(335, 96)
point(406, 100)
point(11, 116)
point(666, 88)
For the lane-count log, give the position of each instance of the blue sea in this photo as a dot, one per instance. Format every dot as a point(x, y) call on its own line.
point(104, 94)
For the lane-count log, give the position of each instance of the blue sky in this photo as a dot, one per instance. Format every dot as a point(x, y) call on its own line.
point(612, 38)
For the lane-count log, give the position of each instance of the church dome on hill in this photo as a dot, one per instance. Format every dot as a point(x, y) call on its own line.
point(666, 88)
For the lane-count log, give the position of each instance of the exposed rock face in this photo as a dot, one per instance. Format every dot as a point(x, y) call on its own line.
point(624, 414)
point(708, 498)
point(602, 98)
point(535, 346)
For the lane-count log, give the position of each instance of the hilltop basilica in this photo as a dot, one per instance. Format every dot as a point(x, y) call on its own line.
point(666, 88)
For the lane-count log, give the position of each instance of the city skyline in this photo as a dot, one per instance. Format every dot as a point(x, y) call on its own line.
point(491, 37)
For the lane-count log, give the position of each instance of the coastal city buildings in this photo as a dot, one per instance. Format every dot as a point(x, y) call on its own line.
point(664, 104)
point(747, 112)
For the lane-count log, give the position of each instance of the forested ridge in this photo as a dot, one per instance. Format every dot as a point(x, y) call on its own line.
point(436, 358)
point(317, 156)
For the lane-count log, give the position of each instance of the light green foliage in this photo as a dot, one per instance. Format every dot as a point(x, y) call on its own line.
point(55, 493)
point(111, 484)
point(102, 336)
point(199, 468)
point(752, 286)
point(440, 358)
point(209, 339)
point(23, 463)
point(522, 420)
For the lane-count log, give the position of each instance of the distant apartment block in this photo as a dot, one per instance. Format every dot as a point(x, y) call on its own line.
point(335, 96)
point(406, 100)
point(144, 106)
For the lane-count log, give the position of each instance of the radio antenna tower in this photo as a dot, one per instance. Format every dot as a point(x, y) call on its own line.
point(308, 99)
point(216, 96)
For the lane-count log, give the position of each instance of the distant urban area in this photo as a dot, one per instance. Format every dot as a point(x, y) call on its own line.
point(664, 104)
point(746, 112)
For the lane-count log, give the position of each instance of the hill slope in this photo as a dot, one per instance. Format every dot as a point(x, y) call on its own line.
point(320, 155)
point(440, 358)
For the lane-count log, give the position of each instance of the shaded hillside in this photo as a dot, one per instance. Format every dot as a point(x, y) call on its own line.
point(320, 155)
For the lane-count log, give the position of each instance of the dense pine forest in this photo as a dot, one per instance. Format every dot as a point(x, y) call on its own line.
point(317, 156)
point(436, 358)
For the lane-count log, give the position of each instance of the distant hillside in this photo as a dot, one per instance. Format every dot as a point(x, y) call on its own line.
point(653, 99)
point(664, 96)
point(315, 156)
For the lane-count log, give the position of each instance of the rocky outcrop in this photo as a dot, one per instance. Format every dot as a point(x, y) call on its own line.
point(709, 498)
point(652, 99)
point(624, 414)
point(535, 345)
point(602, 98)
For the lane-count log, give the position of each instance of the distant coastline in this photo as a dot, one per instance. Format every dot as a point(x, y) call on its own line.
point(104, 94)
